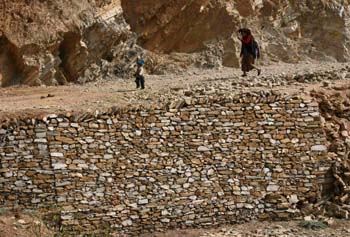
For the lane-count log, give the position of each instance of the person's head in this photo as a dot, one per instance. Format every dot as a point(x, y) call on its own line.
point(140, 62)
point(244, 32)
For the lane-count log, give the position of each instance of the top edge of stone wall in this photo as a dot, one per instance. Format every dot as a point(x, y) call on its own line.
point(171, 104)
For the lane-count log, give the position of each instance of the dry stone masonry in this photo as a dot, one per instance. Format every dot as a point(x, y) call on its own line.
point(211, 160)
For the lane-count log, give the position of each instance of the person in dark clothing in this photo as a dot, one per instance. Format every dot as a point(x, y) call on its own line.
point(249, 52)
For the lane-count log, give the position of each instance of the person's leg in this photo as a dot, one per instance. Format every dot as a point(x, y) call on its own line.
point(137, 81)
point(142, 82)
point(244, 67)
point(252, 65)
point(257, 69)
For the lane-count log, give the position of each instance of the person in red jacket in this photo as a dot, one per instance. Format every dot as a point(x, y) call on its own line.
point(249, 52)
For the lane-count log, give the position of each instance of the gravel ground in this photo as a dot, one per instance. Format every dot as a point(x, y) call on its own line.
point(339, 228)
point(118, 92)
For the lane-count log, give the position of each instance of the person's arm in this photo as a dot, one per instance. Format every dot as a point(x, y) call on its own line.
point(137, 72)
point(141, 71)
point(241, 40)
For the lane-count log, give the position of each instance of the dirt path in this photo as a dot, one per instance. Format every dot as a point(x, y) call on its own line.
point(121, 92)
point(264, 229)
point(22, 225)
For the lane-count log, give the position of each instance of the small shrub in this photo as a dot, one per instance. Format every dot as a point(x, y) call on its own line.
point(313, 225)
point(3, 211)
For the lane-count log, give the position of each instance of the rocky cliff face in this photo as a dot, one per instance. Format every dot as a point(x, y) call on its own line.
point(55, 42)
point(289, 30)
point(316, 29)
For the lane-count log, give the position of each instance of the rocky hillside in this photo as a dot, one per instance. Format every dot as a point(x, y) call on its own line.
point(289, 30)
point(56, 42)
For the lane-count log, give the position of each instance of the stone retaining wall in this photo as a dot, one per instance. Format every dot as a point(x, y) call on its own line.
point(210, 161)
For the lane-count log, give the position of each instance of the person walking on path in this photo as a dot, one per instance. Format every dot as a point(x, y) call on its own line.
point(249, 52)
point(140, 74)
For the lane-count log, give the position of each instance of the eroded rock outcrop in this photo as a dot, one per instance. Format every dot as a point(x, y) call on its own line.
point(54, 42)
point(290, 30)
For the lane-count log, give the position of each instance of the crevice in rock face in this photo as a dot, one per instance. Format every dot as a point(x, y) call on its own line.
point(79, 52)
point(325, 31)
point(198, 30)
point(73, 53)
point(10, 69)
point(100, 40)
point(178, 26)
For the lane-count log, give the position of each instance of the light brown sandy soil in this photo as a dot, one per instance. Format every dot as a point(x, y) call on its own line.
point(29, 224)
point(14, 224)
point(102, 95)
point(263, 229)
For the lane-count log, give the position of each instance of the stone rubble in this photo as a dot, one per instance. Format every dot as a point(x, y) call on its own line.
point(335, 110)
point(276, 230)
point(237, 85)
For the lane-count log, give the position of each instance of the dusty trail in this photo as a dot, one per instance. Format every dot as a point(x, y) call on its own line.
point(121, 92)
point(264, 229)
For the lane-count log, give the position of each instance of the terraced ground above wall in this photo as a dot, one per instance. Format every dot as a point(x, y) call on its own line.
point(116, 92)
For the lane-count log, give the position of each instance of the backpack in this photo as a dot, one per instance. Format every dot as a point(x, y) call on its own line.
point(140, 62)
point(256, 49)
